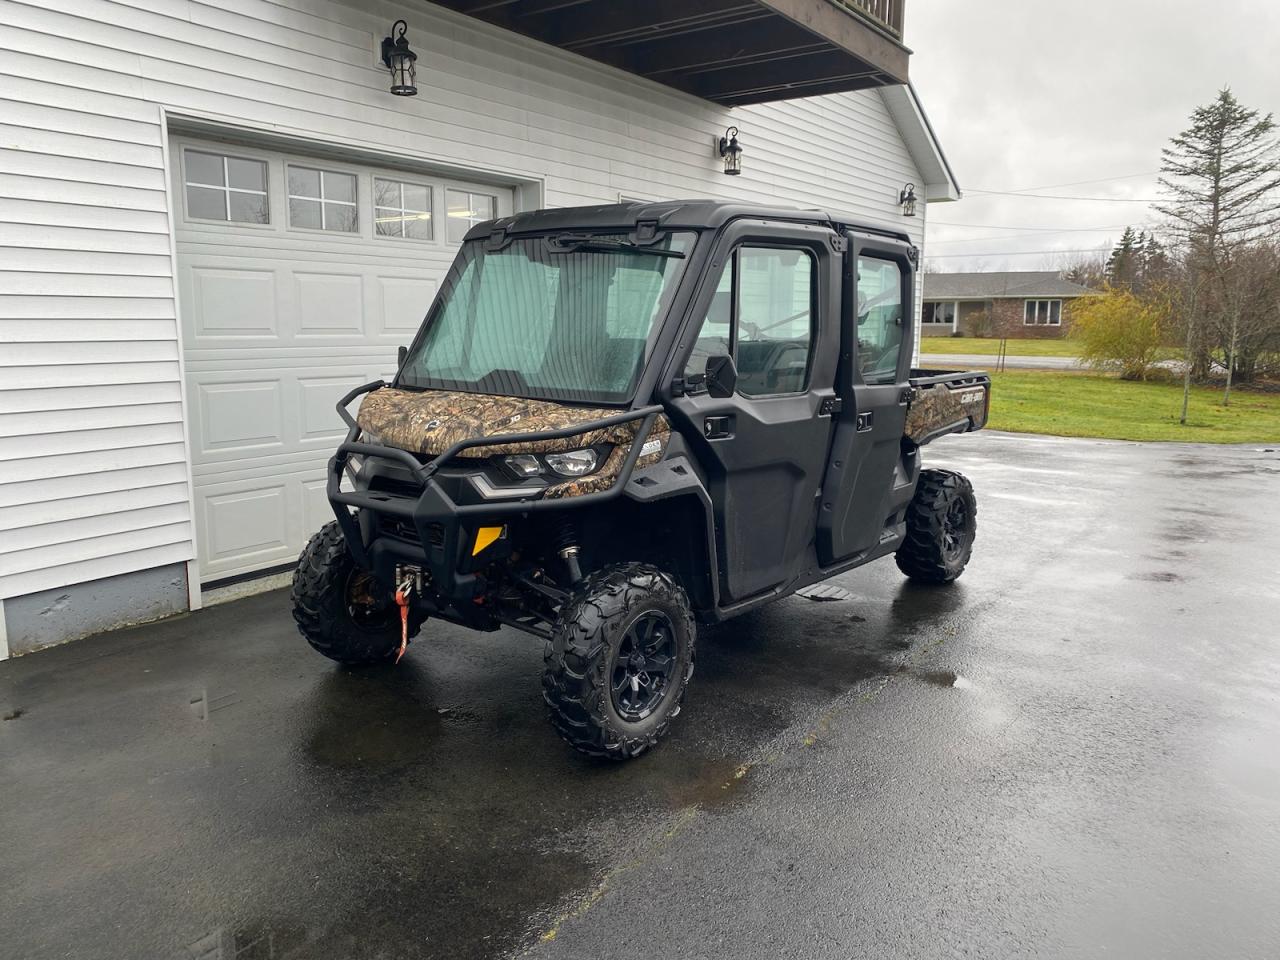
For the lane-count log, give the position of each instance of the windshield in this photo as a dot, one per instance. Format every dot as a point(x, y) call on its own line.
point(569, 318)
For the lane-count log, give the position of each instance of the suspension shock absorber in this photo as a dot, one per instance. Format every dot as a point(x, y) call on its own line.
point(567, 544)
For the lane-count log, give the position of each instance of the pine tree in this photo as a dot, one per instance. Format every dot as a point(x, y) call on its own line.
point(1156, 265)
point(1222, 173)
point(1222, 177)
point(1122, 265)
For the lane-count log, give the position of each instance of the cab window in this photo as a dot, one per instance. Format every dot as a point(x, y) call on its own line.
point(879, 320)
point(761, 314)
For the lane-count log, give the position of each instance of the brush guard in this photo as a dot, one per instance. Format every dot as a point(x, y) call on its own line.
point(435, 509)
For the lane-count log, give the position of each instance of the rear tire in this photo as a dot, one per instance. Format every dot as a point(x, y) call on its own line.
point(618, 661)
point(340, 609)
point(942, 521)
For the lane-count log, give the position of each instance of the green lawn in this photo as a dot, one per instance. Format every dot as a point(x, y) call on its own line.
point(991, 346)
point(1092, 405)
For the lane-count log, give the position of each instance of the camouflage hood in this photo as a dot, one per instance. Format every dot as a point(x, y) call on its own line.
point(430, 421)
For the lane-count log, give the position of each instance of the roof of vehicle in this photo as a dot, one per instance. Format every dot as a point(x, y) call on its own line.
point(669, 214)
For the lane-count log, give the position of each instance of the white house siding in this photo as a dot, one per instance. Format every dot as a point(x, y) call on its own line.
point(94, 474)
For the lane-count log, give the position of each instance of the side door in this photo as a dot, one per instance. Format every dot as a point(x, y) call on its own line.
point(860, 492)
point(766, 301)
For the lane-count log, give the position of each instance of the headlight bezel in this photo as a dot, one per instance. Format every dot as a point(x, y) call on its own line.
point(572, 464)
point(551, 464)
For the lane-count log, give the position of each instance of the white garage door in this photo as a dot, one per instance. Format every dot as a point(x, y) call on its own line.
point(299, 277)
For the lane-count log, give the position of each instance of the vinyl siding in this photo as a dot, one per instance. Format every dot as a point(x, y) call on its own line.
point(93, 460)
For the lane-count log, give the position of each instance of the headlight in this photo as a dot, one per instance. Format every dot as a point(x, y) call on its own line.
point(575, 463)
point(523, 465)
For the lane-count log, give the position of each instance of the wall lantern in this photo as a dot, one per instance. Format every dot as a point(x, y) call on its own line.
point(908, 200)
point(400, 61)
point(731, 152)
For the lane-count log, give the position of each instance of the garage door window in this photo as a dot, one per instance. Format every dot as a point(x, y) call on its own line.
point(220, 187)
point(322, 200)
point(466, 210)
point(401, 209)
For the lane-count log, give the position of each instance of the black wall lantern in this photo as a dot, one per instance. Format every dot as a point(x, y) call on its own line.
point(400, 61)
point(731, 152)
point(908, 200)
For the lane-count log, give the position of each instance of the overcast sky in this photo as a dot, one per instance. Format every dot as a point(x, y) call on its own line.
point(1028, 94)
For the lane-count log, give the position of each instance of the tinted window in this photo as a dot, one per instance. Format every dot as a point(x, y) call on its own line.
point(762, 314)
point(879, 320)
point(533, 319)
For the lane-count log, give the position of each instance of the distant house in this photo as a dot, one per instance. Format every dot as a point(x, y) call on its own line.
point(1017, 304)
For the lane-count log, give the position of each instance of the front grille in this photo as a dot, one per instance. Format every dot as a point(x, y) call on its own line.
point(401, 488)
point(403, 529)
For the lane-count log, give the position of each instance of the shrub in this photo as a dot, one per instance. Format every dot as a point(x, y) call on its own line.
point(1119, 330)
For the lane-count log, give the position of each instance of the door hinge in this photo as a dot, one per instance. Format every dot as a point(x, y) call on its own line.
point(829, 406)
point(907, 395)
point(839, 243)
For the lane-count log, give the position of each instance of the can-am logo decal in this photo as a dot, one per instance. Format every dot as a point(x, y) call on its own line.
point(432, 424)
point(973, 396)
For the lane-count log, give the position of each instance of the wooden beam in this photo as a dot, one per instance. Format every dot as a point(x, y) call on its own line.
point(858, 36)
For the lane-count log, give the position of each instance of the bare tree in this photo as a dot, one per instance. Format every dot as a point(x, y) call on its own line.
point(1086, 269)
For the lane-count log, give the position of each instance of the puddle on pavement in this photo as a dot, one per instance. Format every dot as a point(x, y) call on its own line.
point(363, 722)
point(250, 941)
point(938, 678)
point(714, 786)
point(1159, 576)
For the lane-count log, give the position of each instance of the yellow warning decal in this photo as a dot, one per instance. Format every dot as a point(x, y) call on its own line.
point(486, 536)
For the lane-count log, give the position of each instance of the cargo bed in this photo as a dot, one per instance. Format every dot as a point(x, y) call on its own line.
point(946, 401)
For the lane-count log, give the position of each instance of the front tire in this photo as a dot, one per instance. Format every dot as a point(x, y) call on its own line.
point(340, 609)
point(618, 661)
point(942, 522)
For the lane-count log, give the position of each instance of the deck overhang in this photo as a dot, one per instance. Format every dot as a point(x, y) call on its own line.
point(726, 51)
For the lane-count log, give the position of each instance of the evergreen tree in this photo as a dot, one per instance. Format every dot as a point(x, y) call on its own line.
point(1123, 264)
point(1157, 268)
point(1222, 177)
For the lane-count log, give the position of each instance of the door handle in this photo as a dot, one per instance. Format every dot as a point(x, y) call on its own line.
point(717, 428)
point(865, 421)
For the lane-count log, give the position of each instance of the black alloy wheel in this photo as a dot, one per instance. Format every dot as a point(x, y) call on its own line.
point(641, 670)
point(956, 530)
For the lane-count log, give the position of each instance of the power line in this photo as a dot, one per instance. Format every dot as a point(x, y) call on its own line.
point(996, 226)
point(1010, 253)
point(1050, 196)
point(1080, 183)
point(1041, 233)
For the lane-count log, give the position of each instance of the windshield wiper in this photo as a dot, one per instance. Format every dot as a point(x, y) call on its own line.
point(571, 243)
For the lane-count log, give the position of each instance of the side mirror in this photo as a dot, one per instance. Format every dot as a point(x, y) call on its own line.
point(402, 355)
point(722, 376)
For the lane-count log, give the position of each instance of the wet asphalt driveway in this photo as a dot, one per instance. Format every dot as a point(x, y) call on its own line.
point(1073, 752)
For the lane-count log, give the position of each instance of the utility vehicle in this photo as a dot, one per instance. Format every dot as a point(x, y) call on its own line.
point(618, 421)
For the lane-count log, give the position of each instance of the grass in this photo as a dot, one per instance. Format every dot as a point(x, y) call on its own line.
point(1093, 405)
point(991, 346)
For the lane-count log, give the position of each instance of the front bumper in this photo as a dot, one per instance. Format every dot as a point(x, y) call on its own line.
point(435, 530)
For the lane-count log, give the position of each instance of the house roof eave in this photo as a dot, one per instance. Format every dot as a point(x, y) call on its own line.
point(903, 104)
